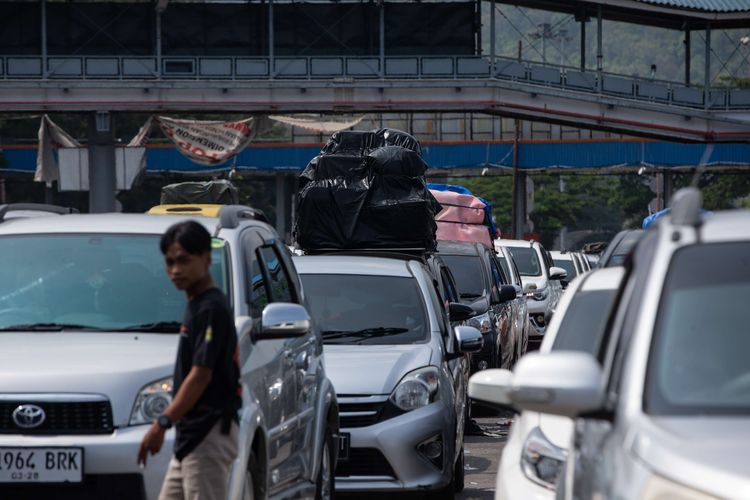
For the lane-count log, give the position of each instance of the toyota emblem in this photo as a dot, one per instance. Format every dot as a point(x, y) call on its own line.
point(28, 416)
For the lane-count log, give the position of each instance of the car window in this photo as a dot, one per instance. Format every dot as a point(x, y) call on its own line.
point(582, 326)
point(469, 275)
point(504, 266)
point(104, 281)
point(568, 266)
point(451, 294)
point(698, 362)
point(367, 309)
point(527, 261)
point(279, 283)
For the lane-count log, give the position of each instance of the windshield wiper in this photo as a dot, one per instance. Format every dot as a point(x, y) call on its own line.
point(367, 333)
point(159, 327)
point(50, 327)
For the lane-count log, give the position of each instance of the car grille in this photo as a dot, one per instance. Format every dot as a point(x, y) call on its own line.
point(93, 487)
point(81, 417)
point(364, 462)
point(365, 414)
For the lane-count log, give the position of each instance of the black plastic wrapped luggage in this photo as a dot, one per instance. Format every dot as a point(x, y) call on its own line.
point(219, 192)
point(374, 200)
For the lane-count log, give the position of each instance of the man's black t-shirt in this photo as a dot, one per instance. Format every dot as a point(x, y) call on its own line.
point(207, 338)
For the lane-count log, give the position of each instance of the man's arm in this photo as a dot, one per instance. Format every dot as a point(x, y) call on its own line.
point(190, 391)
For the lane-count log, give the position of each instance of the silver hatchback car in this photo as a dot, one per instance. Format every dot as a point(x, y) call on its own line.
point(89, 328)
point(399, 369)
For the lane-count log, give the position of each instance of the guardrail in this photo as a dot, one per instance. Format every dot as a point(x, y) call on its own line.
point(368, 68)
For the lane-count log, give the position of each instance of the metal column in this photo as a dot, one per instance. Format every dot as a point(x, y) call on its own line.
point(381, 48)
point(599, 54)
point(583, 42)
point(158, 42)
point(102, 175)
point(271, 64)
point(518, 204)
point(492, 38)
point(44, 37)
point(668, 187)
point(687, 56)
point(281, 205)
point(707, 70)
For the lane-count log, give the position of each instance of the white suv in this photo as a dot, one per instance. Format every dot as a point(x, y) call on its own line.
point(540, 279)
point(89, 326)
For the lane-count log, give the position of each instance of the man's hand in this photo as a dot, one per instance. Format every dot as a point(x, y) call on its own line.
point(152, 442)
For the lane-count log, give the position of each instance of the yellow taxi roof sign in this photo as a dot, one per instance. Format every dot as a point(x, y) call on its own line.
point(204, 210)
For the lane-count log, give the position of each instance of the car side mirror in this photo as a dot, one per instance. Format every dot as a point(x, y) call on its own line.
point(459, 312)
point(506, 293)
point(492, 388)
point(468, 339)
point(563, 383)
point(529, 288)
point(557, 273)
point(281, 320)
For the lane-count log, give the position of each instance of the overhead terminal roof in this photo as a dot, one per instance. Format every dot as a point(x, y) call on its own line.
point(705, 5)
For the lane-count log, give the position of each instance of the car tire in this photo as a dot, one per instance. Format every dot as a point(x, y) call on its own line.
point(325, 483)
point(254, 488)
point(459, 473)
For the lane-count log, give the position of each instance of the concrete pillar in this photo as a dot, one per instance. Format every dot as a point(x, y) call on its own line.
point(281, 203)
point(102, 175)
point(492, 38)
point(583, 42)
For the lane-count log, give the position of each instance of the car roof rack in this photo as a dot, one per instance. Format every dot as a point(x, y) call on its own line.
point(231, 215)
point(35, 207)
point(389, 253)
point(686, 207)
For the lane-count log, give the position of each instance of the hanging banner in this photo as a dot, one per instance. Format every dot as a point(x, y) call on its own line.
point(208, 142)
point(51, 137)
point(317, 124)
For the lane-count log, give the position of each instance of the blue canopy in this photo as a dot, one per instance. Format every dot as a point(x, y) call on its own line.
point(462, 190)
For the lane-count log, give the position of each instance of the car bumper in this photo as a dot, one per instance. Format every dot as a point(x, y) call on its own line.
point(109, 459)
point(385, 456)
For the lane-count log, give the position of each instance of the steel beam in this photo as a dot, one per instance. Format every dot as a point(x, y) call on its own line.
point(43, 6)
point(688, 55)
point(707, 68)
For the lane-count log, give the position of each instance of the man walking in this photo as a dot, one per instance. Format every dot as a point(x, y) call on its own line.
point(206, 376)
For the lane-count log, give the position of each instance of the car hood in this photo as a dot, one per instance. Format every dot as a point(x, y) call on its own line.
point(116, 365)
point(703, 452)
point(372, 369)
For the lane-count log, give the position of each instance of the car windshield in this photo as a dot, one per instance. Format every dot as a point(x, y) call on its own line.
point(699, 355)
point(583, 323)
point(568, 266)
point(91, 281)
point(366, 309)
point(527, 261)
point(467, 271)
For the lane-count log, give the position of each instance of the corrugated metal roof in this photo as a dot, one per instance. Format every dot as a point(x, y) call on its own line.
point(705, 5)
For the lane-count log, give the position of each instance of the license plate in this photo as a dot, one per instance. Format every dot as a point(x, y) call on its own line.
point(41, 465)
point(344, 439)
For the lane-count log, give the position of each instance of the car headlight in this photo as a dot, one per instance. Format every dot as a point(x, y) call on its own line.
point(540, 294)
point(659, 488)
point(542, 461)
point(417, 389)
point(151, 402)
point(481, 322)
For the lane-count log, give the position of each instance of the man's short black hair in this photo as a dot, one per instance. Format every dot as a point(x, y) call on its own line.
point(191, 236)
